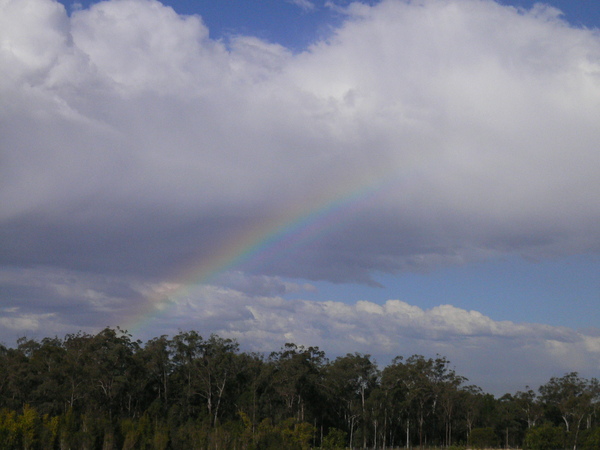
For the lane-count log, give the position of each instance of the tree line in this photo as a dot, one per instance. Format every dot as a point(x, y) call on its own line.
point(108, 391)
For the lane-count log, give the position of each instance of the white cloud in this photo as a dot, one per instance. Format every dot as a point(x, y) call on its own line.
point(305, 5)
point(143, 45)
point(25, 323)
point(500, 356)
point(33, 36)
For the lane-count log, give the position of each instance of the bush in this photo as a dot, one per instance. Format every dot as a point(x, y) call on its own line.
point(457, 447)
point(544, 437)
point(289, 434)
point(483, 438)
point(591, 439)
point(335, 439)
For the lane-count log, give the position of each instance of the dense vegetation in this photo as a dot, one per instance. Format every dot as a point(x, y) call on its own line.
point(108, 391)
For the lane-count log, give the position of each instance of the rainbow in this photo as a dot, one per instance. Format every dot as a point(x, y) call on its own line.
point(299, 225)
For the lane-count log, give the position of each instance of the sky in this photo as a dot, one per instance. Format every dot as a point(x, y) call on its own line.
point(386, 177)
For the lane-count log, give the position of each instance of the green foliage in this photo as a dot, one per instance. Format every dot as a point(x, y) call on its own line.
point(592, 439)
point(335, 439)
point(50, 431)
point(10, 433)
point(545, 437)
point(290, 434)
point(30, 427)
point(160, 440)
point(107, 391)
point(483, 438)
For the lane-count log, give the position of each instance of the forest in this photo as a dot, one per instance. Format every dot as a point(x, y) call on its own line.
point(108, 391)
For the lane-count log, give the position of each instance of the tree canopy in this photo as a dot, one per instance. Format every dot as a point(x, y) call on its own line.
point(108, 391)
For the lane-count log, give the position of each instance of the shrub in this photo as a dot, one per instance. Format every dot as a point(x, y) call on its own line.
point(592, 439)
point(544, 437)
point(335, 439)
point(483, 438)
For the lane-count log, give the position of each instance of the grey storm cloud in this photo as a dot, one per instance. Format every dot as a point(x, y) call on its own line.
point(126, 129)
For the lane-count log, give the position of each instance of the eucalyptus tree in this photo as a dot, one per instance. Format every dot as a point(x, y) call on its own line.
point(155, 359)
point(4, 370)
point(77, 381)
point(21, 380)
point(217, 368)
point(422, 394)
point(110, 369)
point(297, 378)
point(393, 384)
point(203, 370)
point(472, 400)
point(47, 365)
point(572, 396)
point(421, 390)
point(529, 406)
point(511, 424)
point(448, 385)
point(250, 395)
point(378, 417)
point(187, 348)
point(350, 379)
point(594, 392)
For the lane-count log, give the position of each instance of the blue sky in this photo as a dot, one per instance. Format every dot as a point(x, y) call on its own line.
point(294, 26)
point(384, 177)
point(503, 289)
point(278, 21)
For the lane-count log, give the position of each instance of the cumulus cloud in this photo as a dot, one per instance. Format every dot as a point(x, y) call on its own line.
point(500, 356)
point(261, 285)
point(419, 134)
point(128, 118)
